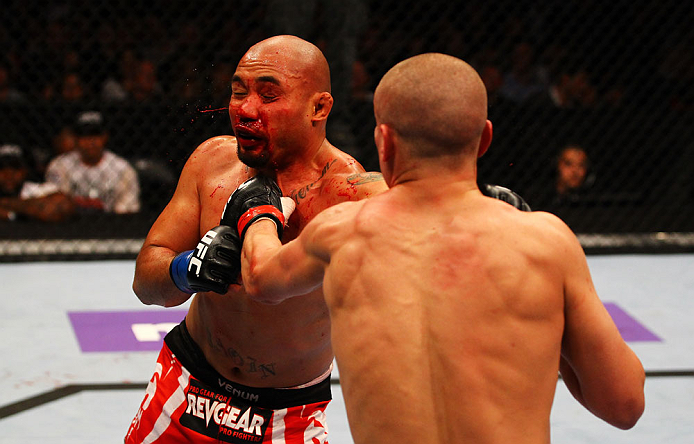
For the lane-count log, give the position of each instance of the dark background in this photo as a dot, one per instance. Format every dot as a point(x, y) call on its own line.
point(637, 124)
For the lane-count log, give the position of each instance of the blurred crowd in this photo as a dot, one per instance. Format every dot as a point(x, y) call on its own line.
point(168, 63)
point(569, 55)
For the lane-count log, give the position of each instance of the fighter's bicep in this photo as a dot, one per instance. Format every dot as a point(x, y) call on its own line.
point(302, 265)
point(177, 226)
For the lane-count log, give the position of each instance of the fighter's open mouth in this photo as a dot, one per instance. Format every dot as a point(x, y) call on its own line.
point(245, 134)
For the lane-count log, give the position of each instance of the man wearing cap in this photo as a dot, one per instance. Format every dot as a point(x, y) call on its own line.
point(23, 199)
point(95, 177)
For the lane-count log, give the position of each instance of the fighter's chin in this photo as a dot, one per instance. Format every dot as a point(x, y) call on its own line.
point(253, 158)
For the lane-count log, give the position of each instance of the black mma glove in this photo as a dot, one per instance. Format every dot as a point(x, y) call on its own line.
point(212, 266)
point(508, 196)
point(258, 197)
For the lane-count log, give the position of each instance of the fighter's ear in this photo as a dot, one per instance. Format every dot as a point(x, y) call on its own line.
point(383, 136)
point(486, 139)
point(385, 143)
point(322, 104)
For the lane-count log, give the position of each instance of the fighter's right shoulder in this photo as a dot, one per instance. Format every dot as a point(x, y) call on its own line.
point(334, 225)
point(551, 222)
point(214, 149)
point(552, 234)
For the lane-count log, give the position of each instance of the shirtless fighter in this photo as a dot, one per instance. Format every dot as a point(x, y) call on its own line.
point(451, 312)
point(236, 370)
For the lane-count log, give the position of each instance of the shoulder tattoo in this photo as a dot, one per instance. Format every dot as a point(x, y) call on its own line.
point(362, 178)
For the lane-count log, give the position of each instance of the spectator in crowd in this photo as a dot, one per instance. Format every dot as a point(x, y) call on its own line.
point(525, 79)
point(493, 80)
point(116, 86)
point(145, 86)
point(68, 89)
point(95, 177)
point(570, 89)
point(188, 85)
point(486, 63)
point(72, 87)
point(22, 199)
point(138, 81)
point(62, 142)
point(572, 173)
point(572, 181)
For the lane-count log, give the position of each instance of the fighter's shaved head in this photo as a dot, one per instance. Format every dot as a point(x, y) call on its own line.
point(435, 102)
point(280, 101)
point(295, 56)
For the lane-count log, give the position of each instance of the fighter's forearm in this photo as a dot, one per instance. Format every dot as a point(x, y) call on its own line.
point(260, 245)
point(273, 272)
point(571, 380)
point(621, 409)
point(152, 283)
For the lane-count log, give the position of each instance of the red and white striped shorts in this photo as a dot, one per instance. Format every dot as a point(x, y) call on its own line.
point(180, 408)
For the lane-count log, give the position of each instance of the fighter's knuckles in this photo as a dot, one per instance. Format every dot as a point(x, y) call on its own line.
point(258, 197)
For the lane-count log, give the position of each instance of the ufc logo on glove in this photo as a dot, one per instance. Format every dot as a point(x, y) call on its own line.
point(201, 251)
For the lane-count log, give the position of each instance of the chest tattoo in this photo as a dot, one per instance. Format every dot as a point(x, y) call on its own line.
point(302, 192)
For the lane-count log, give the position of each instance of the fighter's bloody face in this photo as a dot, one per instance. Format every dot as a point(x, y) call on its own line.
point(269, 112)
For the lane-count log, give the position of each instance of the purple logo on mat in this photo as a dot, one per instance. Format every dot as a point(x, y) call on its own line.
point(119, 331)
point(630, 329)
point(122, 331)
